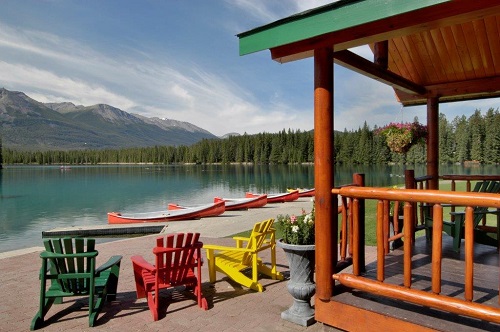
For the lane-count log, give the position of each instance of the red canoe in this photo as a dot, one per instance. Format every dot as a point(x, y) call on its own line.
point(213, 210)
point(169, 215)
point(243, 203)
point(304, 192)
point(278, 198)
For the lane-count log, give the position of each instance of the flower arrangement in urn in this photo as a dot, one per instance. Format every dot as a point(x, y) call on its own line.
point(298, 244)
point(297, 229)
point(401, 136)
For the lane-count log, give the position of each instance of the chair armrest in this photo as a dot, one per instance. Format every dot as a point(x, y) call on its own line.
point(112, 261)
point(224, 248)
point(241, 238)
point(475, 212)
point(427, 205)
point(141, 262)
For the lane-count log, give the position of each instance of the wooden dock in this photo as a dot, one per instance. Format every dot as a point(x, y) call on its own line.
point(107, 231)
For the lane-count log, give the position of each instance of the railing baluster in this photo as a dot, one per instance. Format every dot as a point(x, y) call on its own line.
point(351, 227)
point(356, 268)
point(345, 232)
point(437, 247)
point(382, 242)
point(469, 253)
point(386, 226)
point(408, 243)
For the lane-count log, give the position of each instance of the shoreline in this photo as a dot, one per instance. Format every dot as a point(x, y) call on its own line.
point(227, 224)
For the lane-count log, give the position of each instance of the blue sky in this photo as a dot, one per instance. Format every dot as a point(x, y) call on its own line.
point(179, 60)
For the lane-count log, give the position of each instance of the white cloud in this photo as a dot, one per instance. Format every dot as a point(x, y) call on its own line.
point(266, 11)
point(305, 5)
point(216, 90)
point(257, 9)
point(43, 85)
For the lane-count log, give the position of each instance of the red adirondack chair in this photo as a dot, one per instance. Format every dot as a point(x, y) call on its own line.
point(177, 256)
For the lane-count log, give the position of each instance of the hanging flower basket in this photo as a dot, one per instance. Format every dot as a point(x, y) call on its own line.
point(400, 137)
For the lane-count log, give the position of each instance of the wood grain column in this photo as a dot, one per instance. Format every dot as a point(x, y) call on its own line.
point(433, 141)
point(326, 229)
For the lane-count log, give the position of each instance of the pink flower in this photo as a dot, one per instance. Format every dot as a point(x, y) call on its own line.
point(293, 219)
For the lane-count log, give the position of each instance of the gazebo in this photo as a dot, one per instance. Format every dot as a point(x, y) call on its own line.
point(430, 52)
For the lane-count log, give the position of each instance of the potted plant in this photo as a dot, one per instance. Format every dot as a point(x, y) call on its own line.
point(299, 247)
point(400, 137)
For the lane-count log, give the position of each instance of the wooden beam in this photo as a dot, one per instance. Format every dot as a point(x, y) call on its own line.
point(362, 66)
point(348, 317)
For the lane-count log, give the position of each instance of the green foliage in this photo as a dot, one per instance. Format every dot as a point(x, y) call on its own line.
point(476, 138)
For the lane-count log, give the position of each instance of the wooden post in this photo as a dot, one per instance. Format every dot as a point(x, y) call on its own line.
point(381, 54)
point(410, 179)
point(326, 211)
point(359, 180)
point(433, 141)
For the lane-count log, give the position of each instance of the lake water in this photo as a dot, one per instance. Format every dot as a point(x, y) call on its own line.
point(38, 198)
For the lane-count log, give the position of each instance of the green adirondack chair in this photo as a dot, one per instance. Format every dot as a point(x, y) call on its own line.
point(70, 266)
point(482, 234)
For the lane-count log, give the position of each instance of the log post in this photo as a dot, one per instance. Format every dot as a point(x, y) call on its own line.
point(326, 211)
point(433, 141)
point(381, 54)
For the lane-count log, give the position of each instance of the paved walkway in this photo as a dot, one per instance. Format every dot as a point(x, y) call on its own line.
point(231, 307)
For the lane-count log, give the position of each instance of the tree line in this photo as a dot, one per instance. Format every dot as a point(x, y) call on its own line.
point(476, 138)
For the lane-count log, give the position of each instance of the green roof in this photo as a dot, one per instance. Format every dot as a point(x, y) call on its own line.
point(325, 19)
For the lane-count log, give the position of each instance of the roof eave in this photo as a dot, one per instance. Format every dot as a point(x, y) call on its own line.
point(326, 19)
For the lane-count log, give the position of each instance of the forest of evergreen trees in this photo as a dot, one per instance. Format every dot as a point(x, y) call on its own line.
point(476, 138)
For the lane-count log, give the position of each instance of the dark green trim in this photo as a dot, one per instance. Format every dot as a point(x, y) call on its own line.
point(329, 18)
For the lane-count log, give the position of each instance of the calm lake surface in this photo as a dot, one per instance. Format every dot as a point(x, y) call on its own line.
point(38, 198)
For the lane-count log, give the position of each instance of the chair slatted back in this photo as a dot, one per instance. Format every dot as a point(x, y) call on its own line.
point(257, 238)
point(175, 257)
point(492, 187)
point(72, 273)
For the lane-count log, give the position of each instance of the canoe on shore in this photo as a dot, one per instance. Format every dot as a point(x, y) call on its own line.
point(278, 198)
point(303, 192)
point(202, 211)
point(243, 203)
point(167, 215)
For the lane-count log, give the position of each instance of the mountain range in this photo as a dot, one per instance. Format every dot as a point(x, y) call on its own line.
point(27, 124)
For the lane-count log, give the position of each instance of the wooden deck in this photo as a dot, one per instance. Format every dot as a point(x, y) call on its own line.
point(486, 285)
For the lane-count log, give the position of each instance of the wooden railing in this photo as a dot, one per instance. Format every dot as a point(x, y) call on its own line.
point(422, 182)
point(432, 298)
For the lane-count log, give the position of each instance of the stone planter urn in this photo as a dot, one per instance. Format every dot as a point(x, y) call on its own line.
point(301, 284)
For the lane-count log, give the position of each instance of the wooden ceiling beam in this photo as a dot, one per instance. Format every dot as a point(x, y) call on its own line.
point(469, 87)
point(482, 88)
point(367, 68)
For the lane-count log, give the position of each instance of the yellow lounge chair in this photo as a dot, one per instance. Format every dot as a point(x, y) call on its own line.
point(232, 260)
